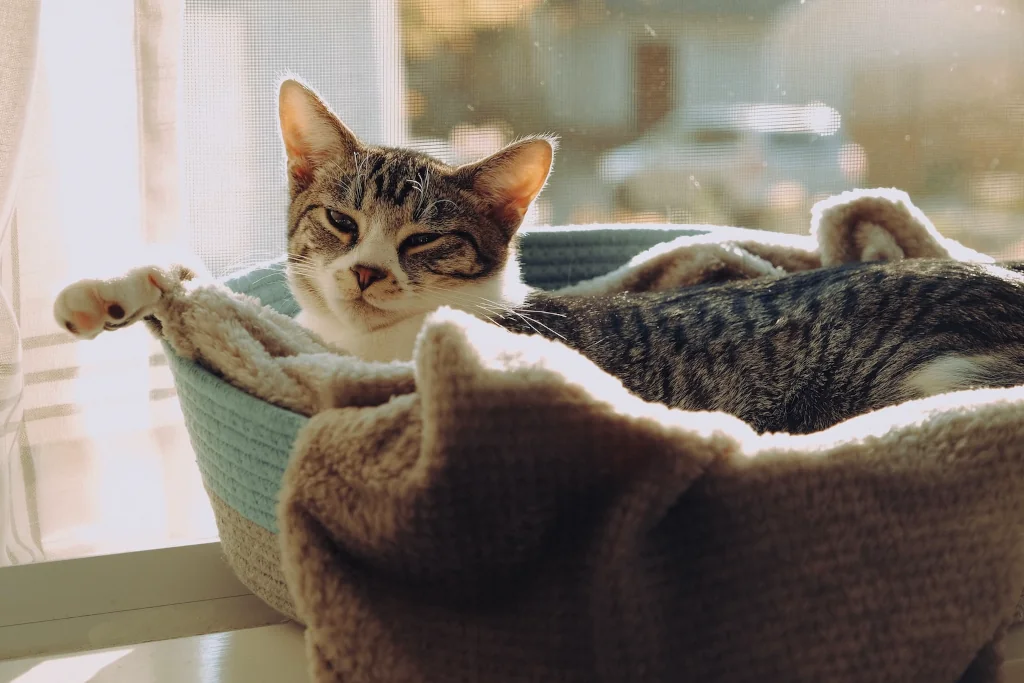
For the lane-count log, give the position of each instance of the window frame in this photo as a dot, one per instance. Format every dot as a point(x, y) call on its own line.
point(121, 599)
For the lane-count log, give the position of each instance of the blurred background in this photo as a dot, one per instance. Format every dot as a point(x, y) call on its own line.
point(741, 112)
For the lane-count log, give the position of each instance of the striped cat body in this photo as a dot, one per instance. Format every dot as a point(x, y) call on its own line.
point(802, 352)
point(380, 237)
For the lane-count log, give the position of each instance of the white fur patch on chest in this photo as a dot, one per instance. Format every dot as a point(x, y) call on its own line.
point(394, 342)
point(485, 299)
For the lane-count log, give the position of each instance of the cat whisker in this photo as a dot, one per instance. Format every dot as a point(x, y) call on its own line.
point(530, 321)
point(481, 311)
point(422, 186)
point(264, 279)
point(520, 313)
point(303, 267)
point(345, 185)
point(447, 295)
point(442, 298)
point(359, 162)
point(304, 272)
point(520, 310)
point(499, 307)
point(360, 179)
point(531, 310)
point(473, 300)
point(432, 206)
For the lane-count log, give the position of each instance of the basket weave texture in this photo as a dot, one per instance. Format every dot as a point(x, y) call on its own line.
point(242, 444)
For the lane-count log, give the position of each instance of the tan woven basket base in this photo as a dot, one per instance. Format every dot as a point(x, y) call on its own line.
point(252, 552)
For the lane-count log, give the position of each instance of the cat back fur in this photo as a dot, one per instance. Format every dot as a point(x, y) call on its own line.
point(380, 237)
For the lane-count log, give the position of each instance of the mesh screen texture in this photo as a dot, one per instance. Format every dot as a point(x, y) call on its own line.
point(741, 112)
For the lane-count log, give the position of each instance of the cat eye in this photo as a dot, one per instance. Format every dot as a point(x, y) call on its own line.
point(419, 239)
point(342, 222)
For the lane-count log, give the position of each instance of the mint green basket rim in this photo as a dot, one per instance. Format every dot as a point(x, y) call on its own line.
point(242, 444)
point(224, 454)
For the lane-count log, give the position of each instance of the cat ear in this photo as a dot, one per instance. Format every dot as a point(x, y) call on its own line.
point(312, 133)
point(509, 180)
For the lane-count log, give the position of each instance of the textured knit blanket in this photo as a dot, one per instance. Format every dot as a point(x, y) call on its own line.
point(501, 510)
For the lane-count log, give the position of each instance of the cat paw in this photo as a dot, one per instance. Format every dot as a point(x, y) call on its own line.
point(88, 307)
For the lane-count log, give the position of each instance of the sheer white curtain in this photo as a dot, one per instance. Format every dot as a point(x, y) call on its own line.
point(19, 20)
point(94, 458)
point(151, 121)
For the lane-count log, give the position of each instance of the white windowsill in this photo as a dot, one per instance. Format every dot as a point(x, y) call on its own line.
point(127, 598)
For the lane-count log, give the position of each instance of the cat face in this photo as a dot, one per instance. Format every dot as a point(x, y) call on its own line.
point(377, 235)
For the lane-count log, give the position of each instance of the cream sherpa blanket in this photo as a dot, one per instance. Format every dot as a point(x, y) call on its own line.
point(500, 510)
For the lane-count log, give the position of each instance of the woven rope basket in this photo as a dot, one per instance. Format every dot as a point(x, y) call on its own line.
point(242, 444)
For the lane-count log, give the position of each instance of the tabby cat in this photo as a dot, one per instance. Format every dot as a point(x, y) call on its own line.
point(379, 237)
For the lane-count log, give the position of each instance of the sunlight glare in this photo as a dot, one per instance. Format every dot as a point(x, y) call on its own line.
point(816, 117)
point(822, 119)
point(94, 120)
point(88, 59)
point(72, 668)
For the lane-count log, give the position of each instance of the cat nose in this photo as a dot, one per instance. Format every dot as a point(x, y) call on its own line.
point(367, 275)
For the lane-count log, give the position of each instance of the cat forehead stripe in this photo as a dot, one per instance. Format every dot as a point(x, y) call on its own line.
point(398, 182)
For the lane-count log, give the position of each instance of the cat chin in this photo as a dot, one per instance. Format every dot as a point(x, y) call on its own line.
point(393, 342)
point(378, 334)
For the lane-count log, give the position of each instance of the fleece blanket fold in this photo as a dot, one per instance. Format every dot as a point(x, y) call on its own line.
point(500, 510)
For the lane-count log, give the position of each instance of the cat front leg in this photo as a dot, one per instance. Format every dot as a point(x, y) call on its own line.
point(88, 307)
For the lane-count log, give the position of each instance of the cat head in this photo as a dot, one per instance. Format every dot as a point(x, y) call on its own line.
point(377, 234)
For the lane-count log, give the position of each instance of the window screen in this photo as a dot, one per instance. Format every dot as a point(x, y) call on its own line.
point(740, 112)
